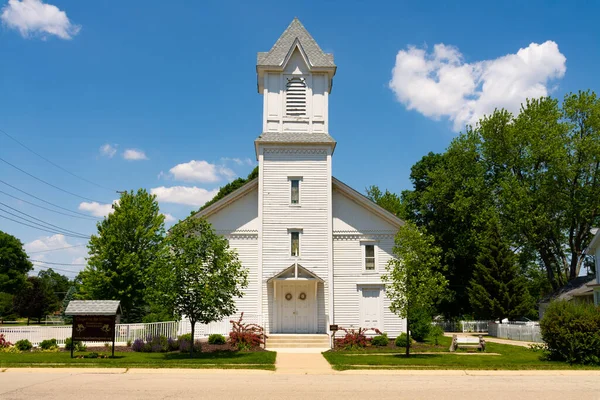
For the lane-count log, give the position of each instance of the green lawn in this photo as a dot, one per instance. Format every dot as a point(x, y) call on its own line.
point(224, 359)
point(510, 358)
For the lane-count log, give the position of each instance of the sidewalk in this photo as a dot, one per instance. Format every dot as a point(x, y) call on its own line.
point(302, 363)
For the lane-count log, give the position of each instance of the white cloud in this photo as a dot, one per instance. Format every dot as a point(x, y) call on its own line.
point(169, 217)
point(35, 17)
point(442, 84)
point(46, 243)
point(134, 155)
point(108, 150)
point(201, 171)
point(238, 161)
point(191, 196)
point(56, 249)
point(97, 209)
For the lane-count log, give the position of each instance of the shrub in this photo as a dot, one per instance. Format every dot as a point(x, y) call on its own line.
point(185, 341)
point(137, 345)
point(128, 342)
point(9, 349)
point(158, 344)
point(246, 336)
point(381, 340)
point(420, 324)
point(4, 342)
point(172, 344)
point(435, 333)
point(401, 340)
point(355, 339)
point(215, 338)
point(572, 332)
point(77, 346)
point(24, 345)
point(48, 344)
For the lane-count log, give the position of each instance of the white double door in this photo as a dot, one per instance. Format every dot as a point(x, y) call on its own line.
point(296, 307)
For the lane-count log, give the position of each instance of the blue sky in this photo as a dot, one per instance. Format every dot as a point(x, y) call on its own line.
point(176, 82)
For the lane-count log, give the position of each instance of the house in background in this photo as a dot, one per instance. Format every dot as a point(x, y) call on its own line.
point(314, 247)
point(594, 250)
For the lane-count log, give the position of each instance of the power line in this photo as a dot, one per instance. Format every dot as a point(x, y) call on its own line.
point(57, 249)
point(47, 183)
point(47, 202)
point(56, 165)
point(53, 263)
point(41, 229)
point(37, 219)
point(56, 269)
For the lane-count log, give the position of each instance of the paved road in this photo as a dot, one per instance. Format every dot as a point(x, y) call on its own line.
point(260, 385)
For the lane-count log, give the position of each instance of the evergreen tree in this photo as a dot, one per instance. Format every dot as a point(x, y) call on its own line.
point(497, 289)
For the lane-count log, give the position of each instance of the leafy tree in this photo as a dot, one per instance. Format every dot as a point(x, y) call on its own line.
point(70, 295)
point(197, 275)
point(230, 188)
point(412, 277)
point(387, 200)
point(498, 289)
point(6, 306)
point(127, 243)
point(35, 300)
point(57, 284)
point(14, 264)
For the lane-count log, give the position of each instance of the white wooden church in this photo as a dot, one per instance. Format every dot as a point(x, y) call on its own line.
point(314, 247)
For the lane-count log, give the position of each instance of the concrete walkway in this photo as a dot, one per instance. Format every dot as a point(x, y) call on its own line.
point(493, 339)
point(302, 363)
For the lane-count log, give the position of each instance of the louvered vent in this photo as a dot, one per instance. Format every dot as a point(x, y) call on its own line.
point(295, 99)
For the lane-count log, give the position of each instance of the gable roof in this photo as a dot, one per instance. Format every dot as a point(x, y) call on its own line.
point(574, 288)
point(93, 307)
point(594, 243)
point(230, 198)
point(295, 272)
point(295, 33)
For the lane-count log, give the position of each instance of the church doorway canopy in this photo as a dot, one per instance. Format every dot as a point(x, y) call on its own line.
point(295, 272)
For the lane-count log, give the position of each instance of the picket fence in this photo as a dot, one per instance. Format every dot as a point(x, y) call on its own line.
point(125, 332)
point(463, 326)
point(527, 332)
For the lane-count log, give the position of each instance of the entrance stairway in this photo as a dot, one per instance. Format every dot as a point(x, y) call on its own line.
point(288, 341)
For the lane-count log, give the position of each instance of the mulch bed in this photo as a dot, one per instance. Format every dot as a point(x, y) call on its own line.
point(206, 348)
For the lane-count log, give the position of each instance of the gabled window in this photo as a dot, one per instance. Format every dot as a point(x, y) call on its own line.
point(295, 243)
point(369, 258)
point(295, 97)
point(295, 191)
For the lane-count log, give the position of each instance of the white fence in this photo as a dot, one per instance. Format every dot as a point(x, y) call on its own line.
point(125, 332)
point(463, 326)
point(526, 332)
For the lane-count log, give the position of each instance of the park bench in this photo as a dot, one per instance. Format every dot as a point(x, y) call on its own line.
point(468, 342)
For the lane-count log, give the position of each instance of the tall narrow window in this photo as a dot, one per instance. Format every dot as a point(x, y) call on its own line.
point(369, 257)
point(295, 191)
point(295, 97)
point(295, 243)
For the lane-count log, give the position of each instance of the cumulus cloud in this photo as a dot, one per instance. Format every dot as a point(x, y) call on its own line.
point(33, 17)
point(238, 161)
point(441, 84)
point(97, 209)
point(46, 243)
point(108, 150)
point(201, 171)
point(169, 217)
point(134, 155)
point(56, 249)
point(187, 195)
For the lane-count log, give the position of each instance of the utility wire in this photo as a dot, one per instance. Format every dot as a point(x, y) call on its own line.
point(37, 219)
point(57, 249)
point(47, 183)
point(47, 202)
point(41, 229)
point(55, 269)
point(53, 263)
point(56, 165)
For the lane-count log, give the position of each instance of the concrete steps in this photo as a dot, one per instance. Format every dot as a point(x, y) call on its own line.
point(279, 341)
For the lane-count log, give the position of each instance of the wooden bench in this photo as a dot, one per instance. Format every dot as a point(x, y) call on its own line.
point(468, 342)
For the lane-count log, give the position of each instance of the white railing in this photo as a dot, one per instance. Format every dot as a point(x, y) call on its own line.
point(463, 326)
point(529, 332)
point(126, 332)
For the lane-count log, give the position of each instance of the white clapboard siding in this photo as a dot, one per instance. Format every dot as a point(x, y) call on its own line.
point(311, 215)
point(247, 247)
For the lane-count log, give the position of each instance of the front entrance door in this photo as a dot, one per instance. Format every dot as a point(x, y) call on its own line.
point(371, 307)
point(296, 307)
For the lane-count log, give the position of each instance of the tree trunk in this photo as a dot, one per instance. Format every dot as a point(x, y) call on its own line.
point(193, 322)
point(407, 337)
point(27, 321)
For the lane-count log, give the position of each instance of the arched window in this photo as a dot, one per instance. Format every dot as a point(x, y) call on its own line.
point(295, 97)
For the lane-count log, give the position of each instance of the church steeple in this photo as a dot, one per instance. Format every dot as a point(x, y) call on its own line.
point(295, 78)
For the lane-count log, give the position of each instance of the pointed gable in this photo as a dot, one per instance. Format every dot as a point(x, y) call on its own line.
point(295, 36)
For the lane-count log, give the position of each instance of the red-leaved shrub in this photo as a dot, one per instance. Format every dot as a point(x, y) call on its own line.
point(246, 336)
point(355, 338)
point(4, 342)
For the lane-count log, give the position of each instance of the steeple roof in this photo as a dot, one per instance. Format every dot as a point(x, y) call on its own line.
point(280, 50)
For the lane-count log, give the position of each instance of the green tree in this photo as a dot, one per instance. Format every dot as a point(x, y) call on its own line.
point(127, 243)
point(197, 275)
point(230, 188)
point(6, 306)
point(387, 200)
point(58, 285)
point(14, 264)
point(498, 290)
point(412, 277)
point(70, 295)
point(35, 300)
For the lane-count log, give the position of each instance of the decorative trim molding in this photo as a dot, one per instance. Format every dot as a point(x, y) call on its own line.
point(295, 150)
point(241, 234)
point(363, 236)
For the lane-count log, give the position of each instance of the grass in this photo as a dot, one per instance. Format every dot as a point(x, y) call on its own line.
point(219, 359)
point(510, 358)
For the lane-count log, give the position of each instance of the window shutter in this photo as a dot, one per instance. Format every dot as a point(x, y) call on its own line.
point(295, 99)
